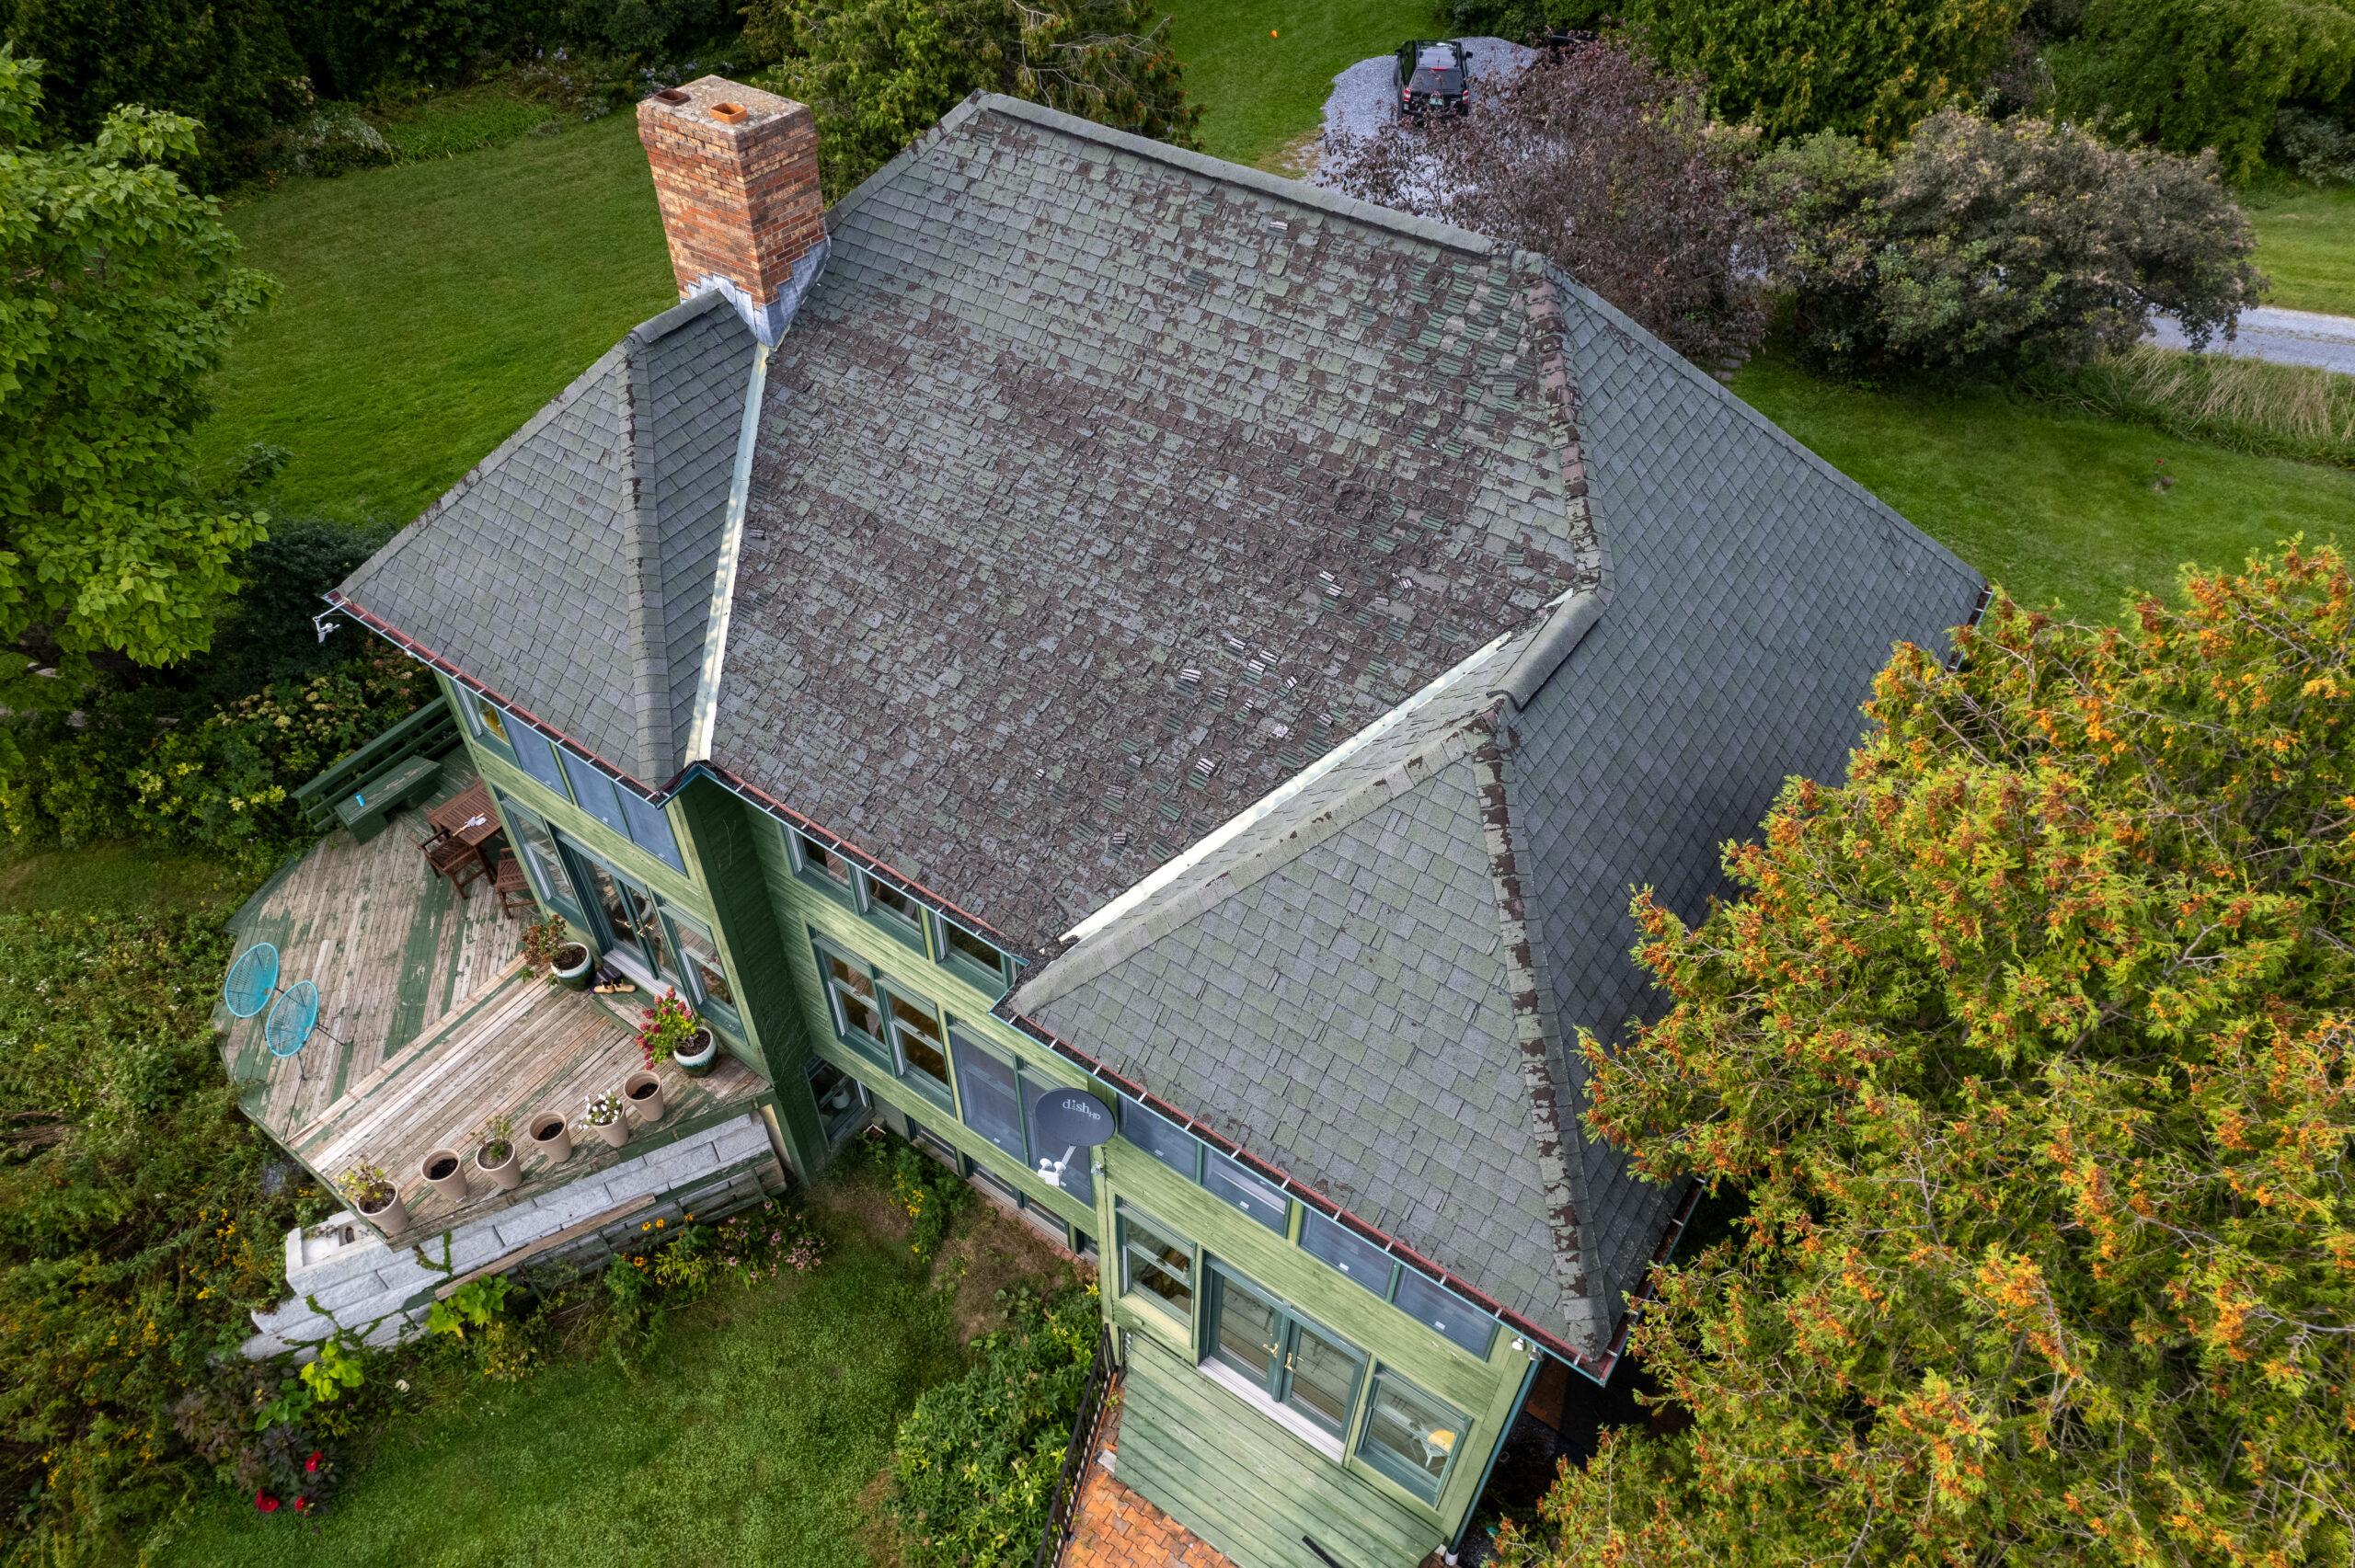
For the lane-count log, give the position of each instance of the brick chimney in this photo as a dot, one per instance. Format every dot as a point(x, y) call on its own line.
point(736, 171)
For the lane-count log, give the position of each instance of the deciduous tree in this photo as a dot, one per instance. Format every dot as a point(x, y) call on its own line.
point(2033, 1045)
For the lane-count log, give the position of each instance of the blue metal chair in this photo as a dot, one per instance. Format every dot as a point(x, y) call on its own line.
point(290, 1019)
point(252, 980)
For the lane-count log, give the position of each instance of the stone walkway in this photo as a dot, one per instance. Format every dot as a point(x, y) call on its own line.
point(1117, 1528)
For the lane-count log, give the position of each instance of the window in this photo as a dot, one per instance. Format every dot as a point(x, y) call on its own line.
point(1161, 1138)
point(1409, 1437)
point(537, 758)
point(858, 1018)
point(484, 718)
point(1297, 1365)
point(594, 791)
point(701, 955)
point(973, 960)
point(842, 1104)
point(650, 828)
point(822, 866)
point(894, 911)
point(992, 1096)
point(1262, 1200)
point(541, 859)
point(1428, 1302)
point(922, 1049)
point(1157, 1264)
point(1340, 1247)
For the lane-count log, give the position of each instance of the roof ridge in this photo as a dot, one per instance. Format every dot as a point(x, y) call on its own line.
point(654, 329)
point(649, 664)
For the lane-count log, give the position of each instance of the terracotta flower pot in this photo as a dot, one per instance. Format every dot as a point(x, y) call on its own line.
point(615, 1132)
point(392, 1219)
point(508, 1173)
point(699, 1055)
point(446, 1173)
point(574, 964)
point(644, 1093)
point(552, 1135)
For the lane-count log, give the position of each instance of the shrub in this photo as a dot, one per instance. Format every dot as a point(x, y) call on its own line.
point(1607, 166)
point(2320, 148)
point(2294, 411)
point(974, 1467)
point(1981, 247)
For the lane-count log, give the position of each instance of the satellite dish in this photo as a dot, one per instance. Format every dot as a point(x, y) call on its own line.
point(290, 1019)
point(252, 979)
point(1071, 1118)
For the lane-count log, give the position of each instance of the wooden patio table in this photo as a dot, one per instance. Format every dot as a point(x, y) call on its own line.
point(468, 818)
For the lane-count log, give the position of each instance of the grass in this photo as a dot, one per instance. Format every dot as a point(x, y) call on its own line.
point(748, 1437)
point(2297, 411)
point(431, 308)
point(113, 875)
point(463, 121)
point(1262, 93)
point(2053, 504)
point(2305, 242)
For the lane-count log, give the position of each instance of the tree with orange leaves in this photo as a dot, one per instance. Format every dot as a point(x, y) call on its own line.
point(2032, 1046)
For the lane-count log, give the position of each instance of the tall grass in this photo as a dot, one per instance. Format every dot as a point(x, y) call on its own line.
point(2295, 411)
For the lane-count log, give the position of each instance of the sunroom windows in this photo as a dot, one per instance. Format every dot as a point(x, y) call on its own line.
point(1156, 1264)
point(891, 908)
point(1409, 1437)
point(570, 776)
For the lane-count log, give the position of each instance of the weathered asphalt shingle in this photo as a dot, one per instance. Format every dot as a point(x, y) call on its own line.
point(539, 574)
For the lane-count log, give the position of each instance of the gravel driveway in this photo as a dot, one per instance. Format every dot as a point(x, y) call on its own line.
point(1362, 102)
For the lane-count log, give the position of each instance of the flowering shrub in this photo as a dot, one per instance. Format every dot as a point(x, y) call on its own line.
point(932, 1194)
point(670, 1025)
point(976, 1461)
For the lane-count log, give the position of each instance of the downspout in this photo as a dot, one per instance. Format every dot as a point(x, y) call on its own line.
point(723, 575)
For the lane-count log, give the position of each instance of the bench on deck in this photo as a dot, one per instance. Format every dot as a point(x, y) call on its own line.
point(406, 781)
point(431, 732)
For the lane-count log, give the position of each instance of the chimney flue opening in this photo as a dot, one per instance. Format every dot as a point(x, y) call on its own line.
point(670, 95)
point(733, 113)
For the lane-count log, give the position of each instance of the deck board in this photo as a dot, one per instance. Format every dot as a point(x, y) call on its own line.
point(427, 1022)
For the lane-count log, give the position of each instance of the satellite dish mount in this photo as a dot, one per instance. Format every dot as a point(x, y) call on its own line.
point(1071, 1117)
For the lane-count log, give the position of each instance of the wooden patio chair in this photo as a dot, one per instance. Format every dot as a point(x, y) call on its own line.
point(454, 860)
point(513, 887)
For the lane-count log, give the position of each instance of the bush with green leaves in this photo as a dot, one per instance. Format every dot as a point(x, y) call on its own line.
point(1983, 246)
point(2321, 149)
point(974, 1468)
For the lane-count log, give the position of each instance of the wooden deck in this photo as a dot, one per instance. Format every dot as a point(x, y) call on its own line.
point(428, 1023)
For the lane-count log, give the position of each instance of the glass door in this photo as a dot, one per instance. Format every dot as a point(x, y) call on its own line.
point(1294, 1363)
point(626, 917)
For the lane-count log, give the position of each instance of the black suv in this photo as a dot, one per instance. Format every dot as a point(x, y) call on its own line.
point(1433, 75)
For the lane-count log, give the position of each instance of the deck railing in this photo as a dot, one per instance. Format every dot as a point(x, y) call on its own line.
point(1063, 1508)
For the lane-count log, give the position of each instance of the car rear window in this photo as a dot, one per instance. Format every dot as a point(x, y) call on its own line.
point(1435, 71)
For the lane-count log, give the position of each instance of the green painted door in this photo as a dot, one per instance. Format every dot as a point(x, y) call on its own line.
point(624, 914)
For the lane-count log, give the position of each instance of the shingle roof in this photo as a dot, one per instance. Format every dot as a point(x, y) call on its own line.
point(1071, 414)
point(571, 570)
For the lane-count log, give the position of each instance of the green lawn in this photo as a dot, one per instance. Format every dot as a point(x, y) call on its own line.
point(97, 876)
point(2305, 242)
point(1260, 94)
point(431, 308)
point(2053, 505)
point(746, 1439)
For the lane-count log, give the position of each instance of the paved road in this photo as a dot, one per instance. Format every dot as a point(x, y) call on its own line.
point(2285, 336)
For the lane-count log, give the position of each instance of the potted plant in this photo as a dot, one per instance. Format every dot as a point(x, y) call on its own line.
point(550, 951)
point(672, 1033)
point(373, 1193)
point(496, 1154)
point(644, 1092)
point(605, 1114)
point(552, 1137)
point(445, 1173)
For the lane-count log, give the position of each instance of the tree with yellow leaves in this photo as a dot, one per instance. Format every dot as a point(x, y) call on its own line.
point(2030, 1045)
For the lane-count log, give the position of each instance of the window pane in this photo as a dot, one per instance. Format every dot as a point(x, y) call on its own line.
point(1158, 1264)
point(1324, 1378)
point(916, 1029)
point(650, 828)
point(490, 721)
point(1263, 1201)
point(539, 854)
point(1409, 1437)
point(1161, 1138)
point(986, 1087)
point(853, 994)
point(649, 933)
point(889, 900)
point(839, 1103)
point(964, 945)
point(616, 903)
point(594, 791)
point(1426, 1301)
point(823, 863)
point(537, 757)
point(1245, 1338)
point(1344, 1249)
point(703, 963)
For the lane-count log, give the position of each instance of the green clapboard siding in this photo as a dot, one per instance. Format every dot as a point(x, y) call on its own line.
point(1245, 1484)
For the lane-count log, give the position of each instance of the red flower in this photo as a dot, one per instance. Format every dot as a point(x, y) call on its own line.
point(301, 1505)
point(265, 1502)
point(311, 1465)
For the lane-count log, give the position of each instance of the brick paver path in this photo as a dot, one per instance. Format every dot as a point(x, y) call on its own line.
point(1117, 1528)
